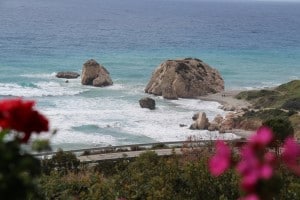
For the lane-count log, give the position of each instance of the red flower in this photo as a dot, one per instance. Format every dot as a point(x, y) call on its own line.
point(221, 161)
point(19, 115)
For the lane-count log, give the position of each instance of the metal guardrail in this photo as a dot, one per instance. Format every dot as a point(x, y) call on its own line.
point(108, 149)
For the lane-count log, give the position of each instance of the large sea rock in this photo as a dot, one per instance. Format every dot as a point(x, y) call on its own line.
point(185, 78)
point(95, 74)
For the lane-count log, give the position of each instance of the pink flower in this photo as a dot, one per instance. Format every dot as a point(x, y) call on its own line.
point(248, 168)
point(263, 137)
point(250, 197)
point(291, 154)
point(255, 164)
point(220, 162)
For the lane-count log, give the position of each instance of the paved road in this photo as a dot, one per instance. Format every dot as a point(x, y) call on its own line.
point(129, 154)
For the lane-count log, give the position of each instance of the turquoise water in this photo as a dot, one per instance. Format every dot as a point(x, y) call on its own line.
point(253, 45)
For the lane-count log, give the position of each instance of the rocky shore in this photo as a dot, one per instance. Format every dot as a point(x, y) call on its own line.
point(228, 100)
point(247, 110)
point(236, 107)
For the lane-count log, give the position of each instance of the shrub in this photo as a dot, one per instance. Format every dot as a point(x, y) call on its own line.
point(281, 127)
point(62, 162)
point(292, 104)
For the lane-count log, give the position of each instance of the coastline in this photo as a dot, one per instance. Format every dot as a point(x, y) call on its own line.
point(230, 103)
point(227, 99)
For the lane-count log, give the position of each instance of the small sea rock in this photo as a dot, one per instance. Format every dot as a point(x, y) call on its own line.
point(147, 102)
point(67, 75)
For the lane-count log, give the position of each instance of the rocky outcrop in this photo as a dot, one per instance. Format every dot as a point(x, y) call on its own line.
point(95, 74)
point(201, 121)
point(186, 78)
point(228, 123)
point(147, 102)
point(215, 124)
point(67, 75)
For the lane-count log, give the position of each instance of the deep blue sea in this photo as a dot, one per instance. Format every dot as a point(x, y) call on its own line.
point(252, 44)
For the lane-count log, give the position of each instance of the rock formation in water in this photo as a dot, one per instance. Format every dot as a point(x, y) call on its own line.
point(186, 78)
point(147, 102)
point(95, 74)
point(201, 121)
point(67, 75)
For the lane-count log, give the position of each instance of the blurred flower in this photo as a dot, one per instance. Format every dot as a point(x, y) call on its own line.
point(262, 138)
point(221, 161)
point(255, 163)
point(291, 154)
point(250, 197)
point(19, 115)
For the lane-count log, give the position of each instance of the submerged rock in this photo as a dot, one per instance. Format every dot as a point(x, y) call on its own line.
point(67, 75)
point(187, 78)
point(95, 74)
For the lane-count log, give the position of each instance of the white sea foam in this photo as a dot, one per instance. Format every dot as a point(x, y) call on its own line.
point(42, 75)
point(115, 86)
point(123, 116)
point(75, 137)
point(40, 89)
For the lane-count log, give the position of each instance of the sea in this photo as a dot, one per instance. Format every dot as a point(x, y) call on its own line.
point(254, 44)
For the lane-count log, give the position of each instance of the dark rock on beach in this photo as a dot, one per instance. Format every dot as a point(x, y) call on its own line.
point(67, 75)
point(147, 102)
point(186, 78)
point(95, 74)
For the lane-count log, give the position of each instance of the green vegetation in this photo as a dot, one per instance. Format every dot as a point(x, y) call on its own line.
point(281, 127)
point(62, 162)
point(41, 145)
point(152, 177)
point(285, 96)
point(280, 105)
point(19, 172)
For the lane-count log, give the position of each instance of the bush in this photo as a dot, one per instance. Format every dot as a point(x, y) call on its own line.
point(18, 172)
point(292, 104)
point(281, 127)
point(62, 162)
point(82, 185)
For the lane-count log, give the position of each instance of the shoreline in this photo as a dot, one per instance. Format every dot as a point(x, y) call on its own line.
point(230, 103)
point(227, 99)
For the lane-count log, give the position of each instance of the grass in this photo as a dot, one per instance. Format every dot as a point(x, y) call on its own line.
point(282, 101)
point(284, 96)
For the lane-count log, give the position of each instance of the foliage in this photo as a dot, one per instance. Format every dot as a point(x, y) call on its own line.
point(159, 146)
point(266, 114)
point(41, 145)
point(281, 128)
point(285, 94)
point(295, 120)
point(292, 104)
point(152, 177)
point(18, 171)
point(111, 167)
point(290, 120)
point(86, 184)
point(63, 162)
